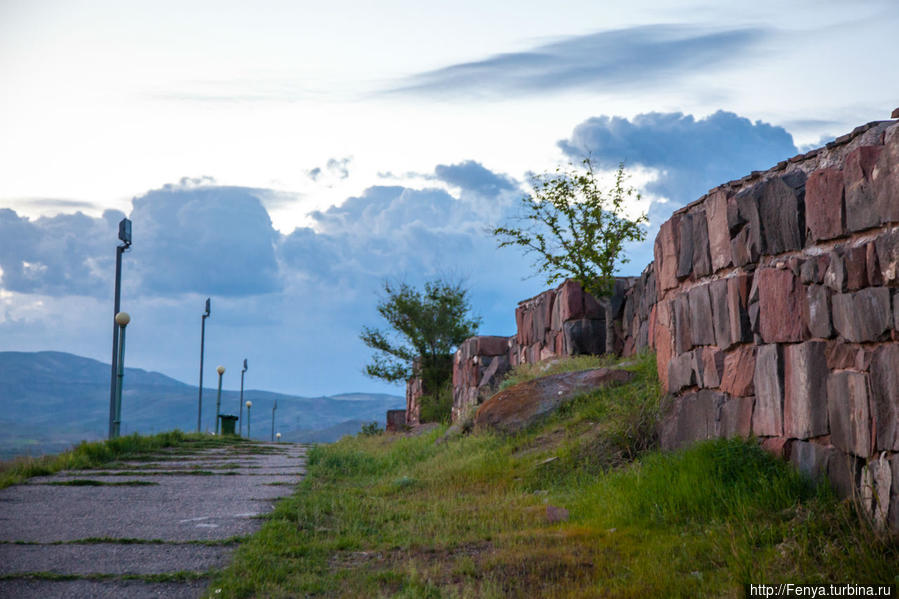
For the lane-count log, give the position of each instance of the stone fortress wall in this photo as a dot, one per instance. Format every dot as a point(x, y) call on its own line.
point(773, 308)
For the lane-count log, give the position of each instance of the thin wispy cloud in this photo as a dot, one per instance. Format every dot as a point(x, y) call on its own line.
point(625, 58)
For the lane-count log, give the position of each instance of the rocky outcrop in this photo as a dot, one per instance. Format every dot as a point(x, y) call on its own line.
point(519, 406)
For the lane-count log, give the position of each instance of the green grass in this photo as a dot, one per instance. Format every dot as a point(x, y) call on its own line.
point(394, 516)
point(93, 454)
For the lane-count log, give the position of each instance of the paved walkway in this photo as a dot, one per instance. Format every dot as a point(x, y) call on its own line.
point(141, 529)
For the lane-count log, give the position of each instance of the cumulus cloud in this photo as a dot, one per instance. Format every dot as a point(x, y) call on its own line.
point(689, 155)
point(473, 176)
point(628, 58)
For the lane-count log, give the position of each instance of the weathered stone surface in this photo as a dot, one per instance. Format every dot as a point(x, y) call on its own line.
point(847, 410)
point(584, 336)
point(885, 182)
point(519, 406)
point(685, 243)
point(843, 473)
point(816, 311)
point(748, 212)
point(835, 275)
point(885, 396)
point(491, 345)
point(711, 365)
point(736, 417)
point(739, 371)
point(660, 320)
point(781, 212)
point(665, 252)
point(864, 315)
point(841, 355)
point(805, 399)
point(810, 458)
point(744, 247)
point(824, 204)
point(856, 261)
point(737, 303)
point(682, 371)
point(896, 312)
point(872, 265)
point(720, 313)
point(571, 301)
point(780, 302)
point(702, 329)
point(767, 418)
point(778, 446)
point(683, 338)
point(808, 273)
point(719, 233)
point(694, 417)
point(702, 263)
point(858, 165)
point(876, 480)
point(887, 244)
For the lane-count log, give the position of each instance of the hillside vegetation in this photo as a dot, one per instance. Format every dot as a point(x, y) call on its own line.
point(582, 505)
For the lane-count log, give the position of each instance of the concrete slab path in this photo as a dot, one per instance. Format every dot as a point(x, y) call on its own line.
point(149, 528)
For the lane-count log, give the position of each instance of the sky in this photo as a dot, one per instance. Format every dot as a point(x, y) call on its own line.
point(286, 158)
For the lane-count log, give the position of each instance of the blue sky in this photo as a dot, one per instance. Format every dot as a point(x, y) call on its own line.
point(285, 159)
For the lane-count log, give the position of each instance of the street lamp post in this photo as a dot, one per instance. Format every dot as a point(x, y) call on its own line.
point(121, 319)
point(274, 407)
point(202, 347)
point(249, 405)
point(125, 238)
point(218, 399)
point(240, 403)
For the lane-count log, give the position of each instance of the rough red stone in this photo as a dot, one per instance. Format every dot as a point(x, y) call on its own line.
point(665, 251)
point(824, 204)
point(519, 406)
point(743, 248)
point(738, 371)
point(683, 337)
point(835, 274)
point(841, 355)
point(780, 303)
point(847, 411)
point(720, 313)
point(736, 417)
point(748, 212)
point(767, 418)
point(856, 261)
point(885, 181)
point(781, 216)
point(702, 328)
point(737, 302)
point(864, 315)
point(662, 341)
point(805, 400)
point(702, 263)
point(711, 363)
point(778, 446)
point(872, 265)
point(885, 396)
point(683, 371)
point(887, 244)
point(571, 301)
point(685, 245)
point(719, 233)
point(858, 165)
point(693, 417)
point(816, 311)
point(492, 345)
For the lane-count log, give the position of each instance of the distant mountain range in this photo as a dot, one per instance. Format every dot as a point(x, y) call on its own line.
point(51, 400)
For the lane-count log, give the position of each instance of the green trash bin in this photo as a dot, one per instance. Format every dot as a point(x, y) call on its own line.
point(228, 423)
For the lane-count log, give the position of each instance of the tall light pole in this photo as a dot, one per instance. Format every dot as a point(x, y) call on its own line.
point(218, 399)
point(240, 403)
point(274, 407)
point(249, 405)
point(125, 238)
point(202, 347)
point(122, 319)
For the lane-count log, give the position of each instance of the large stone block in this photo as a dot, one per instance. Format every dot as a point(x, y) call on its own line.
point(719, 232)
point(693, 417)
point(702, 328)
point(683, 337)
point(887, 244)
point(858, 165)
point(781, 296)
point(682, 371)
point(856, 261)
point(843, 473)
point(737, 308)
point(848, 413)
point(842, 355)
point(767, 418)
point(571, 301)
point(665, 252)
point(885, 395)
point(739, 371)
point(661, 325)
point(736, 417)
point(824, 204)
point(810, 458)
point(491, 345)
point(835, 272)
point(805, 399)
point(702, 263)
point(720, 313)
point(685, 243)
point(711, 364)
point(584, 336)
point(782, 215)
point(885, 181)
point(816, 311)
point(864, 315)
point(876, 480)
point(872, 265)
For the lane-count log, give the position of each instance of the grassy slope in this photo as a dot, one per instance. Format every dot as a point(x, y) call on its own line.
point(391, 516)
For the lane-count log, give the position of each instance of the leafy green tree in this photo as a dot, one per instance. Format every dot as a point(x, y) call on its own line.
point(427, 325)
point(575, 228)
